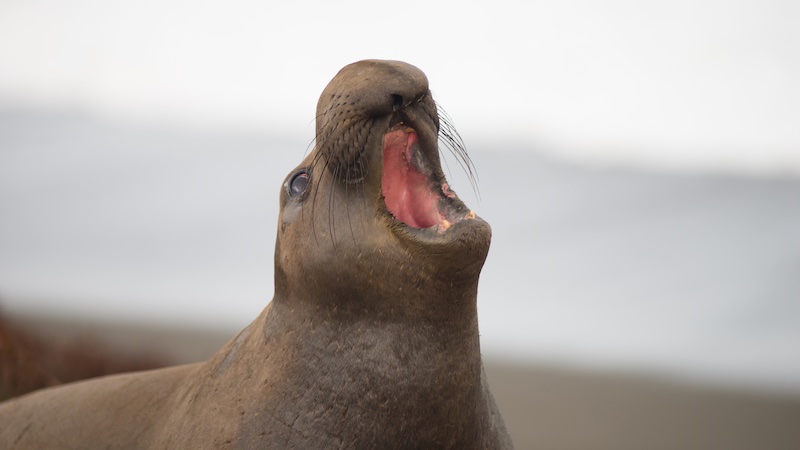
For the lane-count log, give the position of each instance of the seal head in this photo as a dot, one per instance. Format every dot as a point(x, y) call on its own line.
point(373, 194)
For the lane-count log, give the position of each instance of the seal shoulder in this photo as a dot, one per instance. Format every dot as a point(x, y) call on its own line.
point(110, 403)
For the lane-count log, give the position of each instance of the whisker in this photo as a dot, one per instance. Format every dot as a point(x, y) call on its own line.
point(331, 207)
point(449, 137)
point(317, 173)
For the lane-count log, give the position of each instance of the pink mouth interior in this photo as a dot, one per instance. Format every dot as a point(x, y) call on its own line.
point(406, 191)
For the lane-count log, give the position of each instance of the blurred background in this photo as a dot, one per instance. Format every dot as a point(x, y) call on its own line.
point(639, 163)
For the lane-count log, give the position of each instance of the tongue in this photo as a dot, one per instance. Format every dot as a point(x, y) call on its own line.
point(405, 190)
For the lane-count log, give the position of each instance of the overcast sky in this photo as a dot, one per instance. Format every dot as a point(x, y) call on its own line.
point(689, 84)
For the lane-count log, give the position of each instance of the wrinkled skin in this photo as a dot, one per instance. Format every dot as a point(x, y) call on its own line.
point(371, 339)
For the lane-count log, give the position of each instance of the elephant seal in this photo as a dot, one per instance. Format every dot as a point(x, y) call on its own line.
point(371, 339)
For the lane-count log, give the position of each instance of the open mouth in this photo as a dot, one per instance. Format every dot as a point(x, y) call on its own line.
point(411, 194)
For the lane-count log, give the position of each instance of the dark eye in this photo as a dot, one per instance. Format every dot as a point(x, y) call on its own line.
point(297, 183)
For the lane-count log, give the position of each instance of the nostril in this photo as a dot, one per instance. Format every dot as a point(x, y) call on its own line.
point(397, 102)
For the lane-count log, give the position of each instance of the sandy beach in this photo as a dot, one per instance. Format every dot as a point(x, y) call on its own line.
point(553, 408)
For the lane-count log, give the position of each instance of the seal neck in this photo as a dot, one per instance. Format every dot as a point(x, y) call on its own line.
point(324, 335)
point(418, 376)
point(384, 297)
